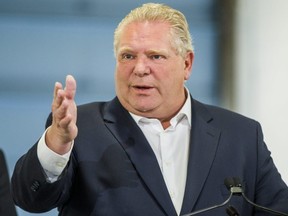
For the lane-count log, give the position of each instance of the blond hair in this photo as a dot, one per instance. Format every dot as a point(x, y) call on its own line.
point(181, 38)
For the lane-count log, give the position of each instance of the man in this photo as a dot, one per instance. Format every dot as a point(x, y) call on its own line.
point(7, 207)
point(153, 149)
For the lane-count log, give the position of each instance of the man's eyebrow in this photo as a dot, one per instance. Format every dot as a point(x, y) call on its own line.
point(149, 52)
point(125, 49)
point(157, 51)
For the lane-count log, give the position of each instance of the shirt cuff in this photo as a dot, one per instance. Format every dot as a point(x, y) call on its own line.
point(52, 163)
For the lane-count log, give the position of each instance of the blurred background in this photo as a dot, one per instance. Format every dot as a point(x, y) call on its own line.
point(240, 62)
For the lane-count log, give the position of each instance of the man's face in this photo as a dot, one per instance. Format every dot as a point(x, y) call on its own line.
point(149, 74)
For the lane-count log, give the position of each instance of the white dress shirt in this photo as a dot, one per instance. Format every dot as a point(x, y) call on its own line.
point(170, 146)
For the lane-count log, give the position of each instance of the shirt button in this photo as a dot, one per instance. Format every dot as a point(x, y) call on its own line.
point(60, 164)
point(172, 194)
point(167, 163)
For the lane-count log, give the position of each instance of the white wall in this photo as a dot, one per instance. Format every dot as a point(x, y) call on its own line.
point(262, 71)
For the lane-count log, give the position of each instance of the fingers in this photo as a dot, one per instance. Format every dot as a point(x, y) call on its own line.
point(60, 94)
point(58, 101)
point(70, 88)
point(61, 110)
point(64, 101)
point(56, 88)
point(65, 122)
point(64, 111)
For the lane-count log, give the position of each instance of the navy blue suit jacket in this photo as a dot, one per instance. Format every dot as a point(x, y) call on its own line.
point(113, 170)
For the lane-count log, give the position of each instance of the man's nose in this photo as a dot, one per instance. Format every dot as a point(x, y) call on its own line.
point(141, 67)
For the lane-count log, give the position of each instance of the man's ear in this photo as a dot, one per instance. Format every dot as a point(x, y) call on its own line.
point(188, 64)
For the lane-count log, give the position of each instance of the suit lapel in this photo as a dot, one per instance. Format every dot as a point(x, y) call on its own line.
point(130, 136)
point(203, 142)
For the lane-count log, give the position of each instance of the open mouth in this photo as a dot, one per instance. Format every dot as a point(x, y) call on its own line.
point(143, 87)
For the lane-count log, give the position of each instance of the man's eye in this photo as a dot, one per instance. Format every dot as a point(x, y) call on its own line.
point(157, 57)
point(127, 56)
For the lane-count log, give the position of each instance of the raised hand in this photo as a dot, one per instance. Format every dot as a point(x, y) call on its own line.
point(63, 130)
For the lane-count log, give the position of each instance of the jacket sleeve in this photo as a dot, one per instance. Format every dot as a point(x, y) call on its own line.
point(30, 189)
point(271, 191)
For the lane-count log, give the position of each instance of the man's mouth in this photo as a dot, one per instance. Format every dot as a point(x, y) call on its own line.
point(142, 87)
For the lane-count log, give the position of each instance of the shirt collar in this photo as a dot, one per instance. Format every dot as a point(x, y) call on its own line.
point(185, 111)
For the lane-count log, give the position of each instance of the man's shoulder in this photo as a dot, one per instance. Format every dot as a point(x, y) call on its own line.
point(91, 105)
point(100, 108)
point(220, 115)
point(94, 105)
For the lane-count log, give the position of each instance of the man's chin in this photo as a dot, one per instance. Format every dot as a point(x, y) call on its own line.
point(142, 110)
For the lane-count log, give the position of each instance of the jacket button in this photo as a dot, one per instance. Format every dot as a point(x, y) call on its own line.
point(35, 186)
